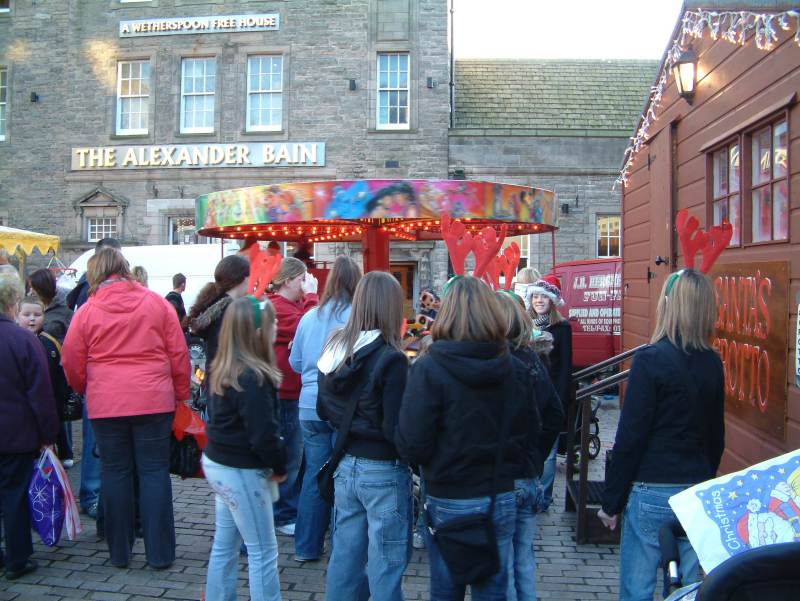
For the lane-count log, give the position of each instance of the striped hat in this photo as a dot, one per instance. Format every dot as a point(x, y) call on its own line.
point(550, 286)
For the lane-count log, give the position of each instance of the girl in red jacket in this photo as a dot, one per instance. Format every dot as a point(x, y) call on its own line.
point(125, 351)
point(294, 292)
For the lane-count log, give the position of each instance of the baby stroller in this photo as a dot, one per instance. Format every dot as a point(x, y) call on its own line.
point(594, 433)
point(768, 573)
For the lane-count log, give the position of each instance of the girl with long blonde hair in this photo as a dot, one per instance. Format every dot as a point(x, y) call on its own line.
point(671, 432)
point(245, 457)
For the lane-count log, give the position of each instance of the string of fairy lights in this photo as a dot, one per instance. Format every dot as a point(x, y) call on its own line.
point(329, 231)
point(735, 27)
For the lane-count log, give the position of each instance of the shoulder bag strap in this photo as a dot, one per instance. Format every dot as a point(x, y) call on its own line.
point(343, 432)
point(505, 422)
point(53, 340)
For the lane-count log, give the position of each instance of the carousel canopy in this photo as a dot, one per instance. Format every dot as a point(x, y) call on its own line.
point(12, 240)
point(338, 210)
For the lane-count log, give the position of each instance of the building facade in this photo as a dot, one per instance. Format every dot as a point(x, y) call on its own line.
point(727, 153)
point(557, 124)
point(116, 114)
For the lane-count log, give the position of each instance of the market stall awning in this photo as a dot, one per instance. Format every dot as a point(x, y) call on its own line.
point(408, 209)
point(12, 240)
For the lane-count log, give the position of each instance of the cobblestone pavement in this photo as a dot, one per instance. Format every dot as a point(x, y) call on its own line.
point(80, 569)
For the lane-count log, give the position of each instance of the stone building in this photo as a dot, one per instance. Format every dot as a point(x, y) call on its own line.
point(555, 124)
point(116, 114)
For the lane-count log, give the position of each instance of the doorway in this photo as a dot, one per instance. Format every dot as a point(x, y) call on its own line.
point(405, 273)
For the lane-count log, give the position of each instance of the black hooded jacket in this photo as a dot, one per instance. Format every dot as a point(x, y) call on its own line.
point(451, 413)
point(376, 374)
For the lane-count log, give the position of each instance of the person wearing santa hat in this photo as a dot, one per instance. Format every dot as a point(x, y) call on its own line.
point(544, 298)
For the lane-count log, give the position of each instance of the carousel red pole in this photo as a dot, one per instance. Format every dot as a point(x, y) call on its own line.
point(375, 244)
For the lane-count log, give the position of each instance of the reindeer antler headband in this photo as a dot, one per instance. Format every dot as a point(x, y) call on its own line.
point(694, 239)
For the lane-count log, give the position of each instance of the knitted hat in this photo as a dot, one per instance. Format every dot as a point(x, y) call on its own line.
point(550, 286)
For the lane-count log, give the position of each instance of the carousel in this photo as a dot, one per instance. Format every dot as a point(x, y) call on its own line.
point(377, 212)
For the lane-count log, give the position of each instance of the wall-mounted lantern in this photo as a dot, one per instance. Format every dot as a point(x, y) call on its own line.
point(685, 73)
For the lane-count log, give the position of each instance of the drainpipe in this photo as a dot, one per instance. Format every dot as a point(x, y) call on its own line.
point(452, 68)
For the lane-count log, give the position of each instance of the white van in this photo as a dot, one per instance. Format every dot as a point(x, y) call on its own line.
point(195, 261)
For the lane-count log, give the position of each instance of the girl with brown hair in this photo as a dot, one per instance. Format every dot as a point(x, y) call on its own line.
point(466, 418)
point(362, 364)
point(245, 456)
point(316, 326)
point(294, 293)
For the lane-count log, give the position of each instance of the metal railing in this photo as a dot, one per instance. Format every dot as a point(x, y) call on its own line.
point(578, 497)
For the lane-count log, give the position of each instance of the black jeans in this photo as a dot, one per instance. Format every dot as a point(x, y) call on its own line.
point(15, 476)
point(137, 443)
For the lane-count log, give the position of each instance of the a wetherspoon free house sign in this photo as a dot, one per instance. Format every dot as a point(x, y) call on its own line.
point(199, 156)
point(199, 25)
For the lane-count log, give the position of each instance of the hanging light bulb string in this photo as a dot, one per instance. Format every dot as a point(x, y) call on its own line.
point(732, 26)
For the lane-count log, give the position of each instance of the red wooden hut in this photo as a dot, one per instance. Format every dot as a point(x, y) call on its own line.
point(720, 137)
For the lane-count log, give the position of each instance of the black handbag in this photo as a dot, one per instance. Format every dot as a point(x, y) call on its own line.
point(468, 544)
point(325, 474)
point(72, 409)
point(184, 456)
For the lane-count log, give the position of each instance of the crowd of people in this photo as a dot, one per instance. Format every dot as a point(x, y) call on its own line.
point(317, 423)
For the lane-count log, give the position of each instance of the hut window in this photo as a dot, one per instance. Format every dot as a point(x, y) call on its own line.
point(725, 177)
point(769, 182)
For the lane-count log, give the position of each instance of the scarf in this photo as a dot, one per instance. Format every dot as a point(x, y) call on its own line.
point(540, 322)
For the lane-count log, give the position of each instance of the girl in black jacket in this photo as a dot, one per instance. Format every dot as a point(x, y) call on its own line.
point(362, 364)
point(453, 409)
point(544, 298)
point(245, 457)
point(522, 583)
point(671, 430)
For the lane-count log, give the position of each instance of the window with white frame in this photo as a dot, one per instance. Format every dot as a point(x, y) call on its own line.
point(264, 93)
point(3, 101)
point(101, 227)
point(393, 103)
point(198, 78)
point(608, 235)
point(726, 180)
point(133, 96)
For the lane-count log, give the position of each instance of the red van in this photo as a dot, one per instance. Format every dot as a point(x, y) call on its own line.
point(592, 292)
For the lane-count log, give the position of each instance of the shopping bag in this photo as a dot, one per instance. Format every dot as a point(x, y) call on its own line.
point(187, 441)
point(756, 506)
point(52, 504)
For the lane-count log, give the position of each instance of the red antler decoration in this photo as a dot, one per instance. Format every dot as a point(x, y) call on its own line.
point(507, 264)
point(693, 239)
point(263, 267)
point(458, 241)
point(485, 248)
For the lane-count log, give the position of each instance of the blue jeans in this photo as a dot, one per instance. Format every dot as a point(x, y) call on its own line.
point(90, 467)
point(439, 511)
point(548, 479)
point(130, 446)
point(285, 510)
point(647, 510)
point(371, 529)
point(522, 565)
point(243, 510)
point(313, 514)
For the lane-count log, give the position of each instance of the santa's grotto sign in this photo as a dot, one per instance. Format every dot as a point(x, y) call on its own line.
point(754, 507)
point(752, 301)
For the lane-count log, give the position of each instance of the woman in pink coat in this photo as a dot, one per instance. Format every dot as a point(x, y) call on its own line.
point(126, 352)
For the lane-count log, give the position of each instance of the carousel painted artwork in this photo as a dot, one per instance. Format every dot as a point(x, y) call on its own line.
point(297, 208)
